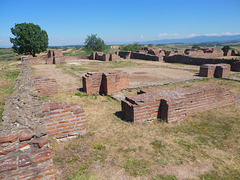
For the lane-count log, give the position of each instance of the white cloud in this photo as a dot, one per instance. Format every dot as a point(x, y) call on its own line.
point(141, 36)
point(222, 34)
point(191, 35)
point(168, 36)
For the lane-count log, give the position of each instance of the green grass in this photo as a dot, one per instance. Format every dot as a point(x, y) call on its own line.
point(136, 167)
point(8, 75)
point(96, 66)
point(164, 177)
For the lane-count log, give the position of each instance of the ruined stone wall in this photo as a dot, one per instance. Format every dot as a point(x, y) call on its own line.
point(114, 57)
point(63, 120)
point(24, 148)
point(196, 61)
point(92, 82)
point(235, 66)
point(104, 57)
point(105, 82)
point(46, 87)
point(125, 54)
point(174, 105)
point(172, 52)
point(114, 81)
point(215, 70)
point(143, 56)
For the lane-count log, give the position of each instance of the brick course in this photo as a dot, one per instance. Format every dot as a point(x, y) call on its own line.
point(174, 105)
point(45, 86)
point(215, 70)
point(106, 82)
point(63, 120)
point(235, 66)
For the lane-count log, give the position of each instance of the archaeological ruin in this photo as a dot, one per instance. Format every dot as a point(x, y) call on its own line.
point(28, 124)
point(105, 82)
point(215, 70)
point(174, 105)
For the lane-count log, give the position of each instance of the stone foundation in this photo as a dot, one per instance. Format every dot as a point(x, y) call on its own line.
point(174, 105)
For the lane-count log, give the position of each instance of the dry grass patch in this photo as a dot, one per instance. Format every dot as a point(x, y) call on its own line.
point(200, 146)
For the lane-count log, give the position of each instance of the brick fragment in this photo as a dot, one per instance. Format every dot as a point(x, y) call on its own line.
point(40, 141)
point(8, 164)
point(43, 156)
point(24, 160)
point(8, 150)
point(25, 135)
point(7, 139)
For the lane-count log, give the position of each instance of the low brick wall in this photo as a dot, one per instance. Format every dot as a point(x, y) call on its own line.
point(114, 57)
point(140, 55)
point(92, 82)
point(63, 120)
point(45, 86)
point(114, 81)
point(105, 82)
point(124, 54)
point(235, 66)
point(24, 148)
point(143, 56)
point(174, 105)
point(215, 70)
point(104, 57)
point(196, 61)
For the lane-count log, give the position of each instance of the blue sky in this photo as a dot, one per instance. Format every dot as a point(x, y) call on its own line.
point(70, 21)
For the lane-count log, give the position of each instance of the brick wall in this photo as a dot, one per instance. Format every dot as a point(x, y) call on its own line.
point(114, 81)
point(173, 52)
point(45, 86)
point(92, 82)
point(143, 56)
point(174, 105)
point(197, 61)
point(114, 57)
point(24, 148)
point(204, 53)
point(215, 70)
point(104, 57)
point(63, 120)
point(125, 54)
point(235, 66)
point(105, 82)
point(140, 55)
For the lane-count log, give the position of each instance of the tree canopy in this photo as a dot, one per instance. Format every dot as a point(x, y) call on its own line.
point(29, 39)
point(94, 43)
point(131, 47)
point(226, 48)
point(196, 47)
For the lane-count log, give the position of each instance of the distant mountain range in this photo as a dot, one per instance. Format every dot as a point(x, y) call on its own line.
point(195, 40)
point(210, 40)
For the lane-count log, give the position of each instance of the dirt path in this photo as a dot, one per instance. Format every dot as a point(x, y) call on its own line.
point(66, 82)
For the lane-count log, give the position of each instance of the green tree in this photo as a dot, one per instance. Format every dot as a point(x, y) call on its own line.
point(29, 39)
point(131, 47)
point(226, 48)
point(196, 47)
point(94, 43)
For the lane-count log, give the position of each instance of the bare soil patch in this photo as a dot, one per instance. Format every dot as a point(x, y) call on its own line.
point(65, 81)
